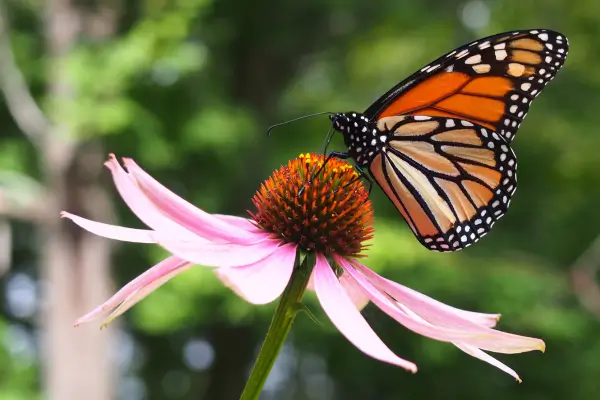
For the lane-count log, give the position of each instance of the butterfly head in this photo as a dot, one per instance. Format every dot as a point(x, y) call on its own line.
point(350, 123)
point(360, 135)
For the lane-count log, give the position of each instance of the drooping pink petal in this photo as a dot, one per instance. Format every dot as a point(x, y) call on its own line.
point(478, 336)
point(263, 281)
point(355, 293)
point(164, 268)
point(471, 350)
point(431, 310)
point(143, 208)
point(477, 353)
point(186, 214)
point(240, 222)
point(482, 319)
point(217, 254)
point(339, 308)
point(142, 292)
point(111, 231)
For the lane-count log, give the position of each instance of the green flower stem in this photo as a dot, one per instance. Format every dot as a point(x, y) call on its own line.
point(280, 325)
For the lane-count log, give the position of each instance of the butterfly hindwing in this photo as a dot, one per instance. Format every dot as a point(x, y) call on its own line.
point(490, 82)
point(451, 179)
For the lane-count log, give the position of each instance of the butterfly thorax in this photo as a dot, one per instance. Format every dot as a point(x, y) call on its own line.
point(361, 136)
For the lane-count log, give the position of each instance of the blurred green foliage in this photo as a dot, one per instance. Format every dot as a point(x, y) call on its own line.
point(187, 88)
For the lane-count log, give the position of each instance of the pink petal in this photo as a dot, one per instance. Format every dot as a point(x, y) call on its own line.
point(142, 292)
point(311, 282)
point(482, 319)
point(354, 291)
point(431, 310)
point(475, 352)
point(339, 308)
point(218, 254)
point(141, 206)
point(478, 336)
point(471, 350)
point(165, 267)
point(240, 222)
point(111, 231)
point(263, 281)
point(186, 214)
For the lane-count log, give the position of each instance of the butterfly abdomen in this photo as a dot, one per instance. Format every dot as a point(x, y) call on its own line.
point(362, 137)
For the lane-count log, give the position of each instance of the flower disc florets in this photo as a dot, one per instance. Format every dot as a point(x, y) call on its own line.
point(325, 209)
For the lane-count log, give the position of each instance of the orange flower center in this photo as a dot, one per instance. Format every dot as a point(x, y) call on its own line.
point(325, 209)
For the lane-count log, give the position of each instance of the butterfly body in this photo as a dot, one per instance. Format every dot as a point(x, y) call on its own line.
point(438, 143)
point(362, 137)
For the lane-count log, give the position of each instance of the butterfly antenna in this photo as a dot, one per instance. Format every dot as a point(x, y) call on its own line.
point(297, 119)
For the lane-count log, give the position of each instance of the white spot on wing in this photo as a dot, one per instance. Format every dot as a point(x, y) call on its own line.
point(501, 55)
point(433, 67)
point(462, 54)
point(473, 59)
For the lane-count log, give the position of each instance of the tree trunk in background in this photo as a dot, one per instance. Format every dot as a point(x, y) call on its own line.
point(74, 264)
point(75, 268)
point(235, 349)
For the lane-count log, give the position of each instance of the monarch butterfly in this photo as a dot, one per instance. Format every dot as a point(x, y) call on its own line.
point(438, 143)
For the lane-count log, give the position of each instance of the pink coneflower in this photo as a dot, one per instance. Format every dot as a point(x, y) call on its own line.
point(298, 215)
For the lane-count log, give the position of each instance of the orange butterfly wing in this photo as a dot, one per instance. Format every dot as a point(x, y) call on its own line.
point(450, 179)
point(489, 82)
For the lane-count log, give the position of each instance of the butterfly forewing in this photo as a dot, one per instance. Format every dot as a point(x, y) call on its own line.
point(490, 82)
point(451, 179)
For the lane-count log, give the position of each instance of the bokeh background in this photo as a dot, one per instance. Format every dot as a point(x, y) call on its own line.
point(187, 88)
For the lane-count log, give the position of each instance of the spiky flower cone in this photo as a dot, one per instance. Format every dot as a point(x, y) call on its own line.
point(322, 209)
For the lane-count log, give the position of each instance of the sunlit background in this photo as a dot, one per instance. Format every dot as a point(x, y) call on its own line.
point(187, 88)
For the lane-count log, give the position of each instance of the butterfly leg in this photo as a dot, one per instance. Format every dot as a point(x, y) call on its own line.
point(327, 141)
point(332, 154)
point(365, 176)
point(361, 174)
point(338, 154)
